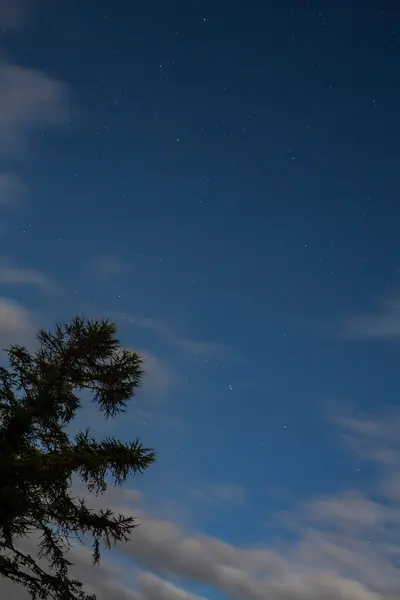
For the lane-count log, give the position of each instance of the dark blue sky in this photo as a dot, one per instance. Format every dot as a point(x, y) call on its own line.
point(222, 178)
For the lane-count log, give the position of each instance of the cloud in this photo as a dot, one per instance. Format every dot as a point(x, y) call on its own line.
point(375, 439)
point(348, 510)
point(158, 376)
point(229, 493)
point(106, 266)
point(252, 573)
point(13, 275)
point(159, 379)
point(382, 324)
point(30, 100)
point(104, 580)
point(13, 13)
point(155, 588)
point(346, 545)
point(221, 494)
point(11, 190)
point(196, 348)
point(16, 323)
point(346, 548)
point(108, 581)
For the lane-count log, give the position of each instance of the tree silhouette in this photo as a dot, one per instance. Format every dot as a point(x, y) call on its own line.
point(39, 397)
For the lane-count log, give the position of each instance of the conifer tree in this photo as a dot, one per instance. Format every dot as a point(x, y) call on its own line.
point(39, 397)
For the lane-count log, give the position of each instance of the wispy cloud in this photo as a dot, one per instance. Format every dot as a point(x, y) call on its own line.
point(156, 588)
point(30, 100)
point(11, 190)
point(374, 438)
point(221, 494)
point(16, 323)
point(13, 13)
point(159, 376)
point(106, 266)
point(13, 275)
point(347, 548)
point(381, 324)
point(190, 346)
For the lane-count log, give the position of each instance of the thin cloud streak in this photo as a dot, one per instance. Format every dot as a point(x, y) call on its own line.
point(197, 348)
point(381, 324)
point(346, 548)
point(221, 494)
point(12, 275)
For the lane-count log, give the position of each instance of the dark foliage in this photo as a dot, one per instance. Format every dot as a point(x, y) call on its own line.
point(39, 397)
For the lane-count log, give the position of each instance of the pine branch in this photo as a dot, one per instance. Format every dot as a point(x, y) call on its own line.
point(38, 399)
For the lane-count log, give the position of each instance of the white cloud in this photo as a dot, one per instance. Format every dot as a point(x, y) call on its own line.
point(16, 323)
point(350, 509)
point(105, 266)
point(381, 324)
point(329, 560)
point(158, 376)
point(156, 588)
point(17, 276)
point(254, 573)
point(374, 438)
point(30, 100)
point(347, 547)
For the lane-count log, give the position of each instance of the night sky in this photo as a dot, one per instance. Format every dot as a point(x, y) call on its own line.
point(222, 180)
